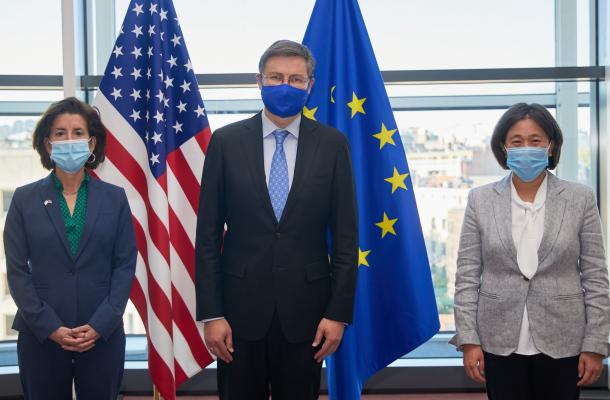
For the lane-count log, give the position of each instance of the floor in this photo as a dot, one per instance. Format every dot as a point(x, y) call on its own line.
point(429, 396)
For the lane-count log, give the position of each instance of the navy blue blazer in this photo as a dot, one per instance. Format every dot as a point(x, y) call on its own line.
point(51, 287)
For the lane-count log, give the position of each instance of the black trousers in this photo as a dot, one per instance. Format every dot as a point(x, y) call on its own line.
point(535, 377)
point(273, 366)
point(47, 371)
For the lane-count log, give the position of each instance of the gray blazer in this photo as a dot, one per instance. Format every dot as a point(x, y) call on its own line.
point(567, 299)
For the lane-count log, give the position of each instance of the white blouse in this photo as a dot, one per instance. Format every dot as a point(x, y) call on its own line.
point(527, 230)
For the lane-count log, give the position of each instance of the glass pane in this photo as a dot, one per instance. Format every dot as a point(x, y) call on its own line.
point(448, 154)
point(470, 89)
point(31, 37)
point(19, 164)
point(417, 34)
point(31, 95)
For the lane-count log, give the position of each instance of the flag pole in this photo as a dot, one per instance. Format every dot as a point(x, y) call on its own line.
point(156, 394)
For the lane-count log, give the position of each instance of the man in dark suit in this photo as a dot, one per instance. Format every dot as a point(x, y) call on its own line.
point(273, 302)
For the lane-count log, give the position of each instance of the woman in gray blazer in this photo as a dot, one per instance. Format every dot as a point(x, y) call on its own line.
point(532, 310)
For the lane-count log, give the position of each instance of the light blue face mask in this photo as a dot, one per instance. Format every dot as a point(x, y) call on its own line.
point(527, 162)
point(70, 155)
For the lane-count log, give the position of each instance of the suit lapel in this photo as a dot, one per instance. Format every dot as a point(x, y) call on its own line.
point(553, 217)
point(308, 142)
point(50, 201)
point(94, 200)
point(253, 149)
point(503, 217)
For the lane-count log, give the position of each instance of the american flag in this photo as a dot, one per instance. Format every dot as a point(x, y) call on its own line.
point(157, 136)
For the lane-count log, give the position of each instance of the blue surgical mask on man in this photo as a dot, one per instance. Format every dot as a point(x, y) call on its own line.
point(527, 162)
point(284, 100)
point(70, 155)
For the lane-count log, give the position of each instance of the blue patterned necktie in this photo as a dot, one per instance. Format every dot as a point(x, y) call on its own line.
point(278, 176)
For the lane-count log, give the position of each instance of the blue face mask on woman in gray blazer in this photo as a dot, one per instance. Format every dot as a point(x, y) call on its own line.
point(527, 162)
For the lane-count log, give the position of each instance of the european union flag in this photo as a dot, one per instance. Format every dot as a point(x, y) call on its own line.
point(395, 308)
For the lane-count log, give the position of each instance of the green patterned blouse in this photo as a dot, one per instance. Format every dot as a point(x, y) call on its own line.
point(74, 223)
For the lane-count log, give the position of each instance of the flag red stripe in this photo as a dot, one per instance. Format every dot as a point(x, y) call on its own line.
point(189, 329)
point(203, 138)
point(161, 374)
point(131, 170)
point(179, 374)
point(182, 243)
point(184, 174)
point(158, 301)
point(139, 301)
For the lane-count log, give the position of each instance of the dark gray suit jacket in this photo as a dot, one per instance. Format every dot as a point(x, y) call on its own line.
point(261, 266)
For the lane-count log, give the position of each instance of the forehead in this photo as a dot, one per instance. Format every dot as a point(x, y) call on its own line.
point(65, 121)
point(525, 128)
point(286, 65)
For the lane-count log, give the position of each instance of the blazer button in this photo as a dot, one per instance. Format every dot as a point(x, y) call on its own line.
point(525, 278)
point(278, 235)
point(71, 273)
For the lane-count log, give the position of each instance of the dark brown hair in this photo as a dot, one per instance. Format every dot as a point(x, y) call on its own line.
point(70, 105)
point(288, 48)
point(536, 113)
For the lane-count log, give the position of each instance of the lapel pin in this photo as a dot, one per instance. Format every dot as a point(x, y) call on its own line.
point(47, 202)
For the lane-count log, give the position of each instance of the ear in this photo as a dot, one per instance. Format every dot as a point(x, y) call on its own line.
point(47, 145)
point(311, 82)
point(259, 81)
point(550, 149)
point(92, 143)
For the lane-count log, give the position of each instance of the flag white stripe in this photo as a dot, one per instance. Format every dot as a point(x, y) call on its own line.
point(129, 139)
point(158, 335)
point(194, 157)
point(156, 262)
point(183, 355)
point(181, 206)
point(182, 281)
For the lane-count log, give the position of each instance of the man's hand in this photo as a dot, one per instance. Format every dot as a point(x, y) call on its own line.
point(589, 368)
point(219, 339)
point(474, 363)
point(332, 332)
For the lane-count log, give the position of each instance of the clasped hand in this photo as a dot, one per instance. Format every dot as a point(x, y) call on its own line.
point(79, 339)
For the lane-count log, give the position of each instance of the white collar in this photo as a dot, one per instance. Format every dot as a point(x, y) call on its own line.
point(538, 200)
point(269, 127)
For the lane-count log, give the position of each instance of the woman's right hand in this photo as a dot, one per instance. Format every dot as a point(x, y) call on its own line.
point(474, 364)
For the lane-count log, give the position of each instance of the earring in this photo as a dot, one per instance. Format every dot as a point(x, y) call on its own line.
point(91, 161)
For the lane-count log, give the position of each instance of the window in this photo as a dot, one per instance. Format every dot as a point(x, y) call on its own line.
point(9, 333)
point(7, 196)
point(5, 289)
point(31, 37)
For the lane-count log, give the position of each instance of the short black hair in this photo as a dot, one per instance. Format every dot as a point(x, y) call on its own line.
point(70, 105)
point(536, 113)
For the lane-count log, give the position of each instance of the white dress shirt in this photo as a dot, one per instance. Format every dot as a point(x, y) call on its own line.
point(290, 145)
point(527, 230)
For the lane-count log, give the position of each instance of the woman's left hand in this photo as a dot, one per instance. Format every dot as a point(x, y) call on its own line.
point(589, 368)
point(86, 337)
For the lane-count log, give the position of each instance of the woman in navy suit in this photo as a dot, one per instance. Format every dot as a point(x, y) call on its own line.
point(70, 255)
